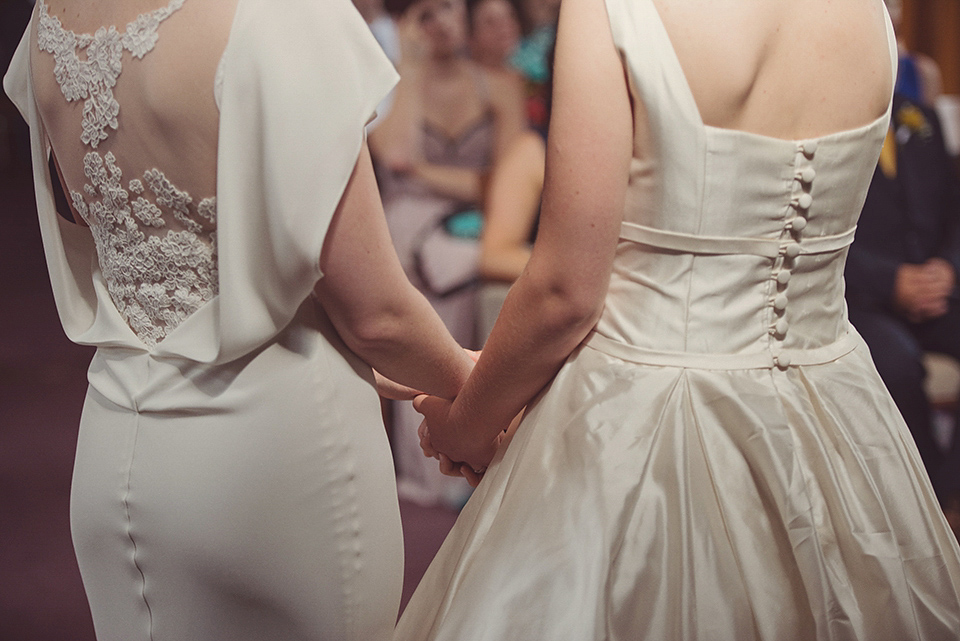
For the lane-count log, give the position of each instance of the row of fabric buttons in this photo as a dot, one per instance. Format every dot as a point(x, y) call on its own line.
point(790, 250)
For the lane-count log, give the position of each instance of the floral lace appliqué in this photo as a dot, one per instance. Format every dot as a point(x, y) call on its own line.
point(157, 250)
point(94, 78)
point(156, 281)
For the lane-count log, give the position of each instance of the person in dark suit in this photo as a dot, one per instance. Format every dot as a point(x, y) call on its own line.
point(901, 277)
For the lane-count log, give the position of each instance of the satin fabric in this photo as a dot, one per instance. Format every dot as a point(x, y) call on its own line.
point(235, 482)
point(719, 460)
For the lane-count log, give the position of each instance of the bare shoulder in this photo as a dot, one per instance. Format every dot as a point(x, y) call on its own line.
point(783, 67)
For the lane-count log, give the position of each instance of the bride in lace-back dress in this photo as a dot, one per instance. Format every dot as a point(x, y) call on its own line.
point(233, 479)
point(707, 452)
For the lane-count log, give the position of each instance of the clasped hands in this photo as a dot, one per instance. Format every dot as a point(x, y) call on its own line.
point(447, 438)
point(921, 292)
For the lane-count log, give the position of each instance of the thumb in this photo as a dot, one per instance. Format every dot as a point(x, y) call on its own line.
point(418, 401)
point(426, 404)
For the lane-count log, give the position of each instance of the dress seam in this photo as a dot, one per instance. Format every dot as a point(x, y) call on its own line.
point(126, 510)
point(351, 541)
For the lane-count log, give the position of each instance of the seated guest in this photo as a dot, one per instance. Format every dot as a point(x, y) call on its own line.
point(901, 277)
point(511, 217)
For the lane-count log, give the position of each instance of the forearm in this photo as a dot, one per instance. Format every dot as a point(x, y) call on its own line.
point(536, 332)
point(407, 342)
point(454, 182)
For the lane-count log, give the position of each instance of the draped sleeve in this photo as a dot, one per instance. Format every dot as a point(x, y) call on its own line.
point(300, 80)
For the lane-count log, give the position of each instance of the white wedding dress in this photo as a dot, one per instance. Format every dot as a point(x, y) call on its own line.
point(719, 461)
point(233, 479)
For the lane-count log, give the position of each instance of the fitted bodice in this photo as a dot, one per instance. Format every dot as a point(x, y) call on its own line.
point(733, 243)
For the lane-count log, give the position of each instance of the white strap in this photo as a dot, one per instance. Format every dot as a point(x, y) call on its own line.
point(755, 360)
point(728, 245)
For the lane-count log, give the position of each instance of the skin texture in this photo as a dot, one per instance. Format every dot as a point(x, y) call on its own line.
point(373, 306)
point(797, 69)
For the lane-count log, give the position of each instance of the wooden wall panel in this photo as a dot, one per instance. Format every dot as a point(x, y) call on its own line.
point(933, 27)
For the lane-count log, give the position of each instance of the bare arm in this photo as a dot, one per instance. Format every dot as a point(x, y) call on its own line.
point(513, 201)
point(373, 306)
point(559, 296)
point(506, 98)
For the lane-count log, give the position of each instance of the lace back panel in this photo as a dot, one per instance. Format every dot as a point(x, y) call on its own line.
point(157, 249)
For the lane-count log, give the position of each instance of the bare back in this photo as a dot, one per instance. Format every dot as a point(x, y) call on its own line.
point(167, 118)
point(783, 68)
point(126, 92)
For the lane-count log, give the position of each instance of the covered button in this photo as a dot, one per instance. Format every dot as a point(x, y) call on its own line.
point(807, 174)
point(783, 360)
point(782, 326)
point(809, 148)
point(780, 302)
point(804, 201)
point(783, 276)
point(799, 223)
point(792, 251)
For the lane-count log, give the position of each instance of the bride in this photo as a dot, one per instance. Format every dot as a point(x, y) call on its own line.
point(231, 263)
point(707, 451)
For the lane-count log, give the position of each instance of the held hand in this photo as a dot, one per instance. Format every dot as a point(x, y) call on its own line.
point(441, 433)
point(448, 467)
point(465, 470)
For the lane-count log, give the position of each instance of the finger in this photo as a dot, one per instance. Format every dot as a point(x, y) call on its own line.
point(473, 477)
point(448, 467)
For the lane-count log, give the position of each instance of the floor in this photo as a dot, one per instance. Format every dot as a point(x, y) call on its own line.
point(42, 384)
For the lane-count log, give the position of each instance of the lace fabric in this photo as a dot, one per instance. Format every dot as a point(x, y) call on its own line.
point(157, 250)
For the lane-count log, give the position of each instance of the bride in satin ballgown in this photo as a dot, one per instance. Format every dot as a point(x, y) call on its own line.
point(707, 451)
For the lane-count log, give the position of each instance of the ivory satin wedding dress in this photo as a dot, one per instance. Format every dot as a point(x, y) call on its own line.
point(719, 460)
point(233, 478)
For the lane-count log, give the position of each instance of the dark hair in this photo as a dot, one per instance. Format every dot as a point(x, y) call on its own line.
point(517, 9)
point(397, 7)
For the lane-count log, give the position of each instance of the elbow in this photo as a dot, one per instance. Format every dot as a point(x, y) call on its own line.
point(370, 337)
point(570, 309)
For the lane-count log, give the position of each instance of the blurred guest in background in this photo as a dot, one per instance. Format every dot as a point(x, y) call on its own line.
point(511, 217)
point(494, 32)
point(539, 19)
point(382, 25)
point(901, 277)
point(450, 121)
